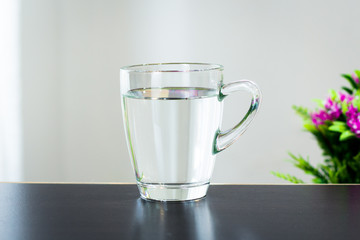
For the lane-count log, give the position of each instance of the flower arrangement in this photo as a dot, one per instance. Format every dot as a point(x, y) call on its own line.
point(336, 128)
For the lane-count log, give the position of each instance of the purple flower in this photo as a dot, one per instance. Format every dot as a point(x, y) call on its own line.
point(331, 112)
point(353, 120)
point(333, 109)
point(319, 118)
point(355, 77)
point(345, 97)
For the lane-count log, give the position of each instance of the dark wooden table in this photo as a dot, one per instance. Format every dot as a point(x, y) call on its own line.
point(115, 211)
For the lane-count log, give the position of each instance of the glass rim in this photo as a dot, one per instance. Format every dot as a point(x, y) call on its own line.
point(210, 67)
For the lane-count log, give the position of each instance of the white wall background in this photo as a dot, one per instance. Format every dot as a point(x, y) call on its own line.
point(10, 120)
point(71, 52)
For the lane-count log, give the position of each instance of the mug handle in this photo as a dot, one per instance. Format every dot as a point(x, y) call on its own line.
point(223, 139)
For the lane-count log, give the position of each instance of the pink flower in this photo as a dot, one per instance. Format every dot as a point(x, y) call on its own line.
point(355, 77)
point(331, 112)
point(333, 109)
point(319, 118)
point(347, 97)
point(353, 120)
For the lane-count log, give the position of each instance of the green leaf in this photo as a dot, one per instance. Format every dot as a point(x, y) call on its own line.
point(357, 93)
point(308, 125)
point(333, 177)
point(333, 94)
point(318, 180)
point(357, 157)
point(348, 90)
point(287, 177)
point(357, 72)
point(341, 172)
point(338, 128)
point(339, 123)
point(350, 80)
point(322, 128)
point(344, 107)
point(324, 168)
point(346, 135)
point(304, 165)
point(356, 103)
point(319, 102)
point(302, 112)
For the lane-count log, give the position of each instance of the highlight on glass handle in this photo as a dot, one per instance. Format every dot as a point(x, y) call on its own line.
point(224, 139)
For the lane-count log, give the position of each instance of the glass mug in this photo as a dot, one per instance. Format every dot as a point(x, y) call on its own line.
point(172, 114)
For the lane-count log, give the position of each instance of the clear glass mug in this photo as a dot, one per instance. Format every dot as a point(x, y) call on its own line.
point(172, 115)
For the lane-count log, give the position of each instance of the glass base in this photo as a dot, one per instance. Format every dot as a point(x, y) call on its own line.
point(173, 192)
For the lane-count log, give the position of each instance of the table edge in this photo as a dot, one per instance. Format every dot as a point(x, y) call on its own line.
point(214, 184)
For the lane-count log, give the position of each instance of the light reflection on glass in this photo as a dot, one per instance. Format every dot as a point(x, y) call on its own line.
point(160, 220)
